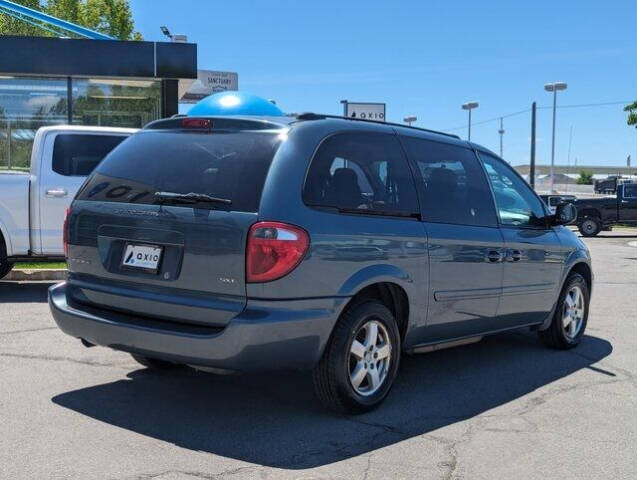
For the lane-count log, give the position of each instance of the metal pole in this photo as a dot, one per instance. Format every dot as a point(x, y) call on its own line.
point(553, 139)
point(570, 141)
point(532, 166)
point(469, 125)
point(501, 132)
point(568, 157)
point(9, 161)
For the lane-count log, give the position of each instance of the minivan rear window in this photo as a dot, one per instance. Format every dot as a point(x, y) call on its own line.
point(229, 165)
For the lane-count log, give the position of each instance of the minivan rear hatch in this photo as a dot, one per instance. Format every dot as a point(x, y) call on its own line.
point(159, 230)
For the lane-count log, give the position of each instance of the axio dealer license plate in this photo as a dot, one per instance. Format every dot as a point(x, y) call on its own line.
point(145, 257)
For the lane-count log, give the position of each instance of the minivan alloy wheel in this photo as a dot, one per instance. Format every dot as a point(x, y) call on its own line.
point(369, 358)
point(573, 314)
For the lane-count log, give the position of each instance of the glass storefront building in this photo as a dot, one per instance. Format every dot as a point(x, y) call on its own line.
point(132, 84)
point(28, 103)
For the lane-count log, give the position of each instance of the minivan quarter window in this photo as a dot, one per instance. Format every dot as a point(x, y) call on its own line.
point(361, 172)
point(453, 184)
point(517, 204)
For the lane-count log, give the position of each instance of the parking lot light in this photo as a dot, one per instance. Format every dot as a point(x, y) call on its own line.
point(469, 106)
point(410, 119)
point(554, 87)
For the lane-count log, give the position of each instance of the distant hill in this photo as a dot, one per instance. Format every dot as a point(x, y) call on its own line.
point(596, 169)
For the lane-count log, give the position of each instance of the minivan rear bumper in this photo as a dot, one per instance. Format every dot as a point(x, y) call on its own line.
point(267, 334)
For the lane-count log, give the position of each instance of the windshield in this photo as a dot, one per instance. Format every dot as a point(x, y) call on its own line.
point(225, 165)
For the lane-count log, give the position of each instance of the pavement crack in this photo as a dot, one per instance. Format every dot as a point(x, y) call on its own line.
point(368, 467)
point(57, 359)
point(197, 474)
point(27, 330)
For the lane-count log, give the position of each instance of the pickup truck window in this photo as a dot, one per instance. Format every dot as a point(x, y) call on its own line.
point(630, 191)
point(77, 155)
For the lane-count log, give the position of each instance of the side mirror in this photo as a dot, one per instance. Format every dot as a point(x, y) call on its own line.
point(565, 213)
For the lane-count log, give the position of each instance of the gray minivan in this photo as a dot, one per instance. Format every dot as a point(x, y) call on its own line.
point(313, 242)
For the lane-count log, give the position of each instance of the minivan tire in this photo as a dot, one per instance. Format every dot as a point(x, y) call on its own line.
point(153, 363)
point(590, 227)
point(332, 374)
point(555, 336)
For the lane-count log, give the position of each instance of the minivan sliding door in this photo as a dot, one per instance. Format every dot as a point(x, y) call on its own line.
point(464, 243)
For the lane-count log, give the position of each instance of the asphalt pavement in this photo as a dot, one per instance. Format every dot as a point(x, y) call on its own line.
point(505, 408)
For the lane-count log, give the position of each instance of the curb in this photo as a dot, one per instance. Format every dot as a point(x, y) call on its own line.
point(34, 275)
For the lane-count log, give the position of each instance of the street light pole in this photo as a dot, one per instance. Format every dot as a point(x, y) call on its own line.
point(469, 106)
point(501, 132)
point(410, 119)
point(554, 87)
point(553, 141)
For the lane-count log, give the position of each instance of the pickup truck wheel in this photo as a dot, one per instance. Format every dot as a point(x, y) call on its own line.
point(571, 315)
point(153, 363)
point(590, 227)
point(361, 360)
point(5, 265)
point(5, 268)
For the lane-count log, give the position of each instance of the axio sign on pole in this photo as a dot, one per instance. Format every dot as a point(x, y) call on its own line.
point(207, 83)
point(364, 111)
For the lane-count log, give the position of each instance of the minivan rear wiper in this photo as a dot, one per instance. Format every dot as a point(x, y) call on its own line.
point(192, 197)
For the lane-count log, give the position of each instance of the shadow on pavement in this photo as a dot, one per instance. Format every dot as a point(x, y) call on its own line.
point(274, 420)
point(608, 236)
point(24, 292)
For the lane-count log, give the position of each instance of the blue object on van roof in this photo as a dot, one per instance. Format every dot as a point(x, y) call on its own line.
point(234, 103)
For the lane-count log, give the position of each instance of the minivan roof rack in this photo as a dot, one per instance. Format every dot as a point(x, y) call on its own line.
point(321, 116)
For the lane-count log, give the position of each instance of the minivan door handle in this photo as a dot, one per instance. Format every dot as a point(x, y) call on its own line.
point(56, 192)
point(494, 256)
point(514, 256)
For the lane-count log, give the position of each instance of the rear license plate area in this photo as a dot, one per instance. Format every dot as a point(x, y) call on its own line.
point(142, 257)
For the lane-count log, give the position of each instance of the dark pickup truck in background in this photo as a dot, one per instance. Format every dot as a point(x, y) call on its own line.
point(597, 214)
point(552, 201)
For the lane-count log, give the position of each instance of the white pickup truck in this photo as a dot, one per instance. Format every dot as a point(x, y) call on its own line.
point(33, 205)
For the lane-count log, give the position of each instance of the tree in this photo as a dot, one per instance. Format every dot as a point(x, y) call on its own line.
point(112, 17)
point(585, 177)
point(632, 113)
point(12, 26)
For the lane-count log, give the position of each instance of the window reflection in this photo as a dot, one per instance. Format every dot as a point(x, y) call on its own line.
point(27, 104)
point(121, 103)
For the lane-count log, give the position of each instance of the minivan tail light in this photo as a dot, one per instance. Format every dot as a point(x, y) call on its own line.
point(65, 231)
point(274, 249)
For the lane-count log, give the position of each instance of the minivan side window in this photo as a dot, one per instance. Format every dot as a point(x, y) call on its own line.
point(454, 186)
point(77, 155)
point(517, 204)
point(361, 171)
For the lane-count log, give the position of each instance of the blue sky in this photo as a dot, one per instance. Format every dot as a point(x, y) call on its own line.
point(427, 58)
